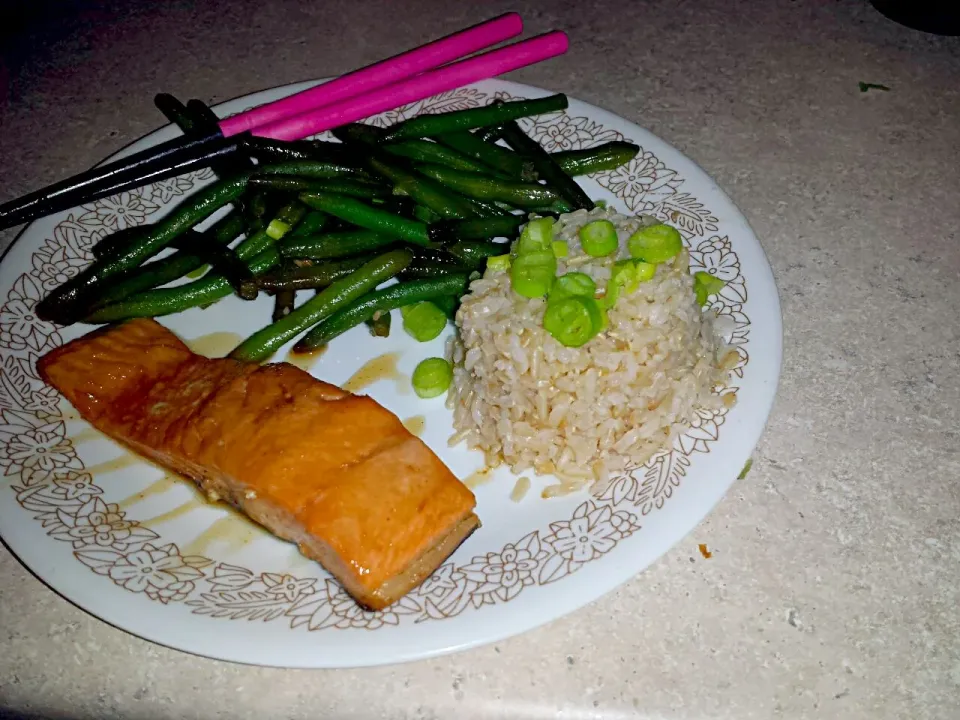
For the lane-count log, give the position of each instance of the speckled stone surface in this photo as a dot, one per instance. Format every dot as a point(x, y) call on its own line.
point(835, 581)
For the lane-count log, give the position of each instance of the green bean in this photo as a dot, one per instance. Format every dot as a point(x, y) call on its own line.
point(181, 263)
point(489, 134)
point(439, 256)
point(263, 343)
point(474, 253)
point(165, 270)
point(312, 223)
point(285, 220)
point(424, 214)
point(121, 240)
point(482, 229)
point(555, 208)
point(226, 262)
point(431, 125)
point(334, 245)
point(425, 271)
point(320, 169)
point(486, 188)
point(396, 204)
point(422, 190)
point(362, 215)
point(335, 224)
point(417, 150)
point(73, 299)
point(382, 301)
point(488, 209)
point(166, 301)
point(424, 267)
point(379, 324)
point(255, 206)
point(310, 277)
point(359, 133)
point(607, 156)
point(340, 186)
point(447, 303)
point(114, 243)
point(426, 151)
point(500, 159)
point(273, 151)
point(283, 304)
point(547, 169)
point(406, 181)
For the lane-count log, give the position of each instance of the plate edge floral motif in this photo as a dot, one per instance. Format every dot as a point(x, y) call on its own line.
point(51, 482)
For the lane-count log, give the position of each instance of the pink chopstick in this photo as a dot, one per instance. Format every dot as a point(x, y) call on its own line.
point(385, 72)
point(427, 84)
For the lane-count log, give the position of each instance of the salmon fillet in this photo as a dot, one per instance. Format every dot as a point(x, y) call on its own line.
point(333, 472)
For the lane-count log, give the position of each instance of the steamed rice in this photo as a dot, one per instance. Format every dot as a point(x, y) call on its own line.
point(584, 413)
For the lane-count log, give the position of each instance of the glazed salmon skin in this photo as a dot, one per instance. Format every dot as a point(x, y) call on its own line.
point(333, 472)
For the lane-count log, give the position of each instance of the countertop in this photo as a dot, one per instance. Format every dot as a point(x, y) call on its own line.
point(835, 580)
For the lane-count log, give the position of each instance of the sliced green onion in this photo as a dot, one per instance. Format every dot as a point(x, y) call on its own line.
point(560, 248)
point(498, 262)
point(277, 229)
point(571, 284)
point(704, 285)
point(645, 270)
point(623, 278)
point(536, 236)
point(599, 238)
point(600, 204)
point(573, 320)
point(423, 321)
point(655, 243)
point(432, 377)
point(604, 318)
point(532, 273)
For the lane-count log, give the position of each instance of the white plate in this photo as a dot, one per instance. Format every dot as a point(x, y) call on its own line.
point(169, 568)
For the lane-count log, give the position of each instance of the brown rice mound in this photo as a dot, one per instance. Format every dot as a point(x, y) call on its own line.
point(584, 413)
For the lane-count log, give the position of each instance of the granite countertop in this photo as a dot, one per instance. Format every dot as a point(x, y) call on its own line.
point(835, 580)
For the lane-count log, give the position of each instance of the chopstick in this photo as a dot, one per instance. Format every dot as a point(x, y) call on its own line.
point(424, 85)
point(173, 157)
point(386, 72)
point(163, 161)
